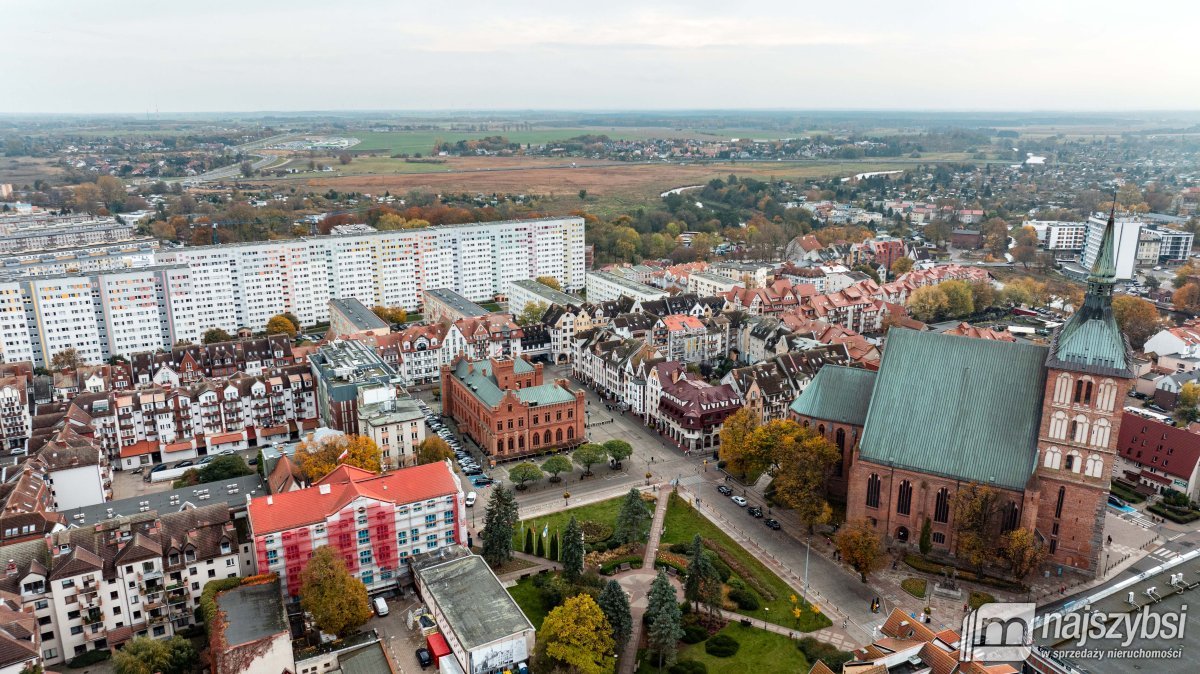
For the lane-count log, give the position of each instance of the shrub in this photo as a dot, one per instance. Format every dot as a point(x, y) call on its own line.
point(610, 567)
point(932, 567)
point(721, 646)
point(680, 548)
point(978, 599)
point(208, 599)
point(745, 599)
point(740, 569)
point(89, 658)
point(914, 586)
point(819, 650)
point(594, 532)
point(694, 634)
point(723, 570)
point(613, 545)
point(1175, 515)
point(688, 667)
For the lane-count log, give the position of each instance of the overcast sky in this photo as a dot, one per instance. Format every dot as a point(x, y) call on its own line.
point(76, 56)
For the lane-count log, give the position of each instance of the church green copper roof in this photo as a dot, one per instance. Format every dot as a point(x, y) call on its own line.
point(957, 406)
point(1091, 340)
point(839, 394)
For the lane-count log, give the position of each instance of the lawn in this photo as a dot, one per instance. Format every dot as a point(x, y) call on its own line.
point(683, 522)
point(759, 651)
point(530, 601)
point(604, 512)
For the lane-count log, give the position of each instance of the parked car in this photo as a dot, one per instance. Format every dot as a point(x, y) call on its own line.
point(207, 460)
point(424, 658)
point(185, 463)
point(483, 481)
point(724, 491)
point(739, 500)
point(772, 524)
point(473, 471)
point(755, 512)
point(471, 499)
point(380, 606)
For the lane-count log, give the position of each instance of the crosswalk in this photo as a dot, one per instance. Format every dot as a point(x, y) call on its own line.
point(1163, 555)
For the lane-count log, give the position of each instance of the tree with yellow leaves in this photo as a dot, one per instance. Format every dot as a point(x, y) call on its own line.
point(576, 637)
point(281, 325)
point(317, 461)
point(927, 303)
point(549, 281)
point(802, 461)
point(737, 441)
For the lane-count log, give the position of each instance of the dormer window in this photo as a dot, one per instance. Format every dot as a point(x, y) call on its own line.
point(225, 547)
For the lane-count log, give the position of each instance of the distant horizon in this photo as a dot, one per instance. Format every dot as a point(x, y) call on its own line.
point(227, 56)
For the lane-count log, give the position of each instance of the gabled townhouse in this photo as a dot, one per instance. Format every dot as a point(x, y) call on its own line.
point(769, 387)
point(490, 336)
point(189, 363)
point(98, 586)
point(16, 422)
point(690, 411)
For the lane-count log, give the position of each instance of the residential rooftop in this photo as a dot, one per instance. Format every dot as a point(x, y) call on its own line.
point(472, 600)
point(231, 492)
point(463, 306)
point(252, 613)
point(547, 293)
point(358, 314)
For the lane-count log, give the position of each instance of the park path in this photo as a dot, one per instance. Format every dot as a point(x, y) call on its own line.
point(637, 583)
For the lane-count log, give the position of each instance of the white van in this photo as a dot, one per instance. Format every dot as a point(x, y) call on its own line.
point(471, 499)
point(381, 607)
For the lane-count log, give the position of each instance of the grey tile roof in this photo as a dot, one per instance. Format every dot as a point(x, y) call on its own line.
point(473, 601)
point(957, 406)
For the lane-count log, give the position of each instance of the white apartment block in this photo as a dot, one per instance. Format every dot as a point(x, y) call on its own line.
point(396, 424)
point(99, 315)
point(707, 284)
point(603, 286)
point(528, 291)
point(1058, 235)
point(192, 289)
point(1125, 243)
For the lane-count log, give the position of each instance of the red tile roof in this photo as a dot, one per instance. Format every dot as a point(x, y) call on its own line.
point(289, 510)
point(139, 448)
point(1170, 450)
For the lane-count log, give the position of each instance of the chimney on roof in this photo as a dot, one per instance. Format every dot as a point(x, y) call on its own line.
point(11, 569)
point(270, 500)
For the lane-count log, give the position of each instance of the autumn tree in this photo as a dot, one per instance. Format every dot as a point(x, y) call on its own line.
point(431, 449)
point(1022, 551)
point(618, 450)
point(615, 604)
point(576, 637)
point(974, 509)
point(959, 300)
point(345, 158)
point(860, 546)
point(215, 336)
point(555, 465)
point(531, 313)
point(631, 519)
point(938, 231)
point(67, 359)
point(927, 303)
point(901, 266)
point(390, 314)
point(983, 295)
point(572, 551)
point(802, 462)
point(589, 455)
point(1185, 404)
point(87, 198)
point(316, 460)
point(526, 471)
point(738, 448)
point(549, 281)
point(1025, 250)
point(995, 235)
point(146, 655)
point(112, 191)
point(280, 325)
point(1187, 297)
point(499, 524)
point(1137, 317)
point(1026, 291)
point(336, 599)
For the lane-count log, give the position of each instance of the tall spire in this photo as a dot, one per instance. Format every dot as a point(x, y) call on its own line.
point(1105, 268)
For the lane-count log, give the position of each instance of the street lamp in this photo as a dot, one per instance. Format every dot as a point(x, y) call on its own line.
point(567, 498)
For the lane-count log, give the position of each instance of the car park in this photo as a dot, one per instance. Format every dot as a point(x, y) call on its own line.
point(741, 501)
point(772, 524)
point(724, 491)
point(755, 511)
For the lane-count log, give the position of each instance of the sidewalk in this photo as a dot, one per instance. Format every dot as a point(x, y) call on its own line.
point(637, 583)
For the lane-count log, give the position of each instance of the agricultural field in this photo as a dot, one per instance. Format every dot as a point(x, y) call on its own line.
point(22, 171)
point(423, 141)
point(612, 187)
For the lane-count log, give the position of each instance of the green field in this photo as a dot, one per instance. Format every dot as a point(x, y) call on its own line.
point(683, 522)
point(759, 651)
point(604, 512)
point(527, 597)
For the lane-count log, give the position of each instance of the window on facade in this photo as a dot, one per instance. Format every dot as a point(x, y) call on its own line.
point(1071, 460)
point(1058, 506)
point(939, 538)
point(1011, 516)
point(873, 491)
point(941, 506)
point(904, 498)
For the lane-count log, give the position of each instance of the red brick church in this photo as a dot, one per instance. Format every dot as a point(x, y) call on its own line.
point(1038, 423)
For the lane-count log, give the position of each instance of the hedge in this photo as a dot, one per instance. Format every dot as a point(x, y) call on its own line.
point(694, 634)
point(688, 667)
point(978, 599)
point(1173, 515)
point(89, 658)
point(610, 567)
point(819, 650)
point(921, 564)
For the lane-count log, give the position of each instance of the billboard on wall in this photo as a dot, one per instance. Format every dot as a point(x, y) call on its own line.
point(499, 655)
